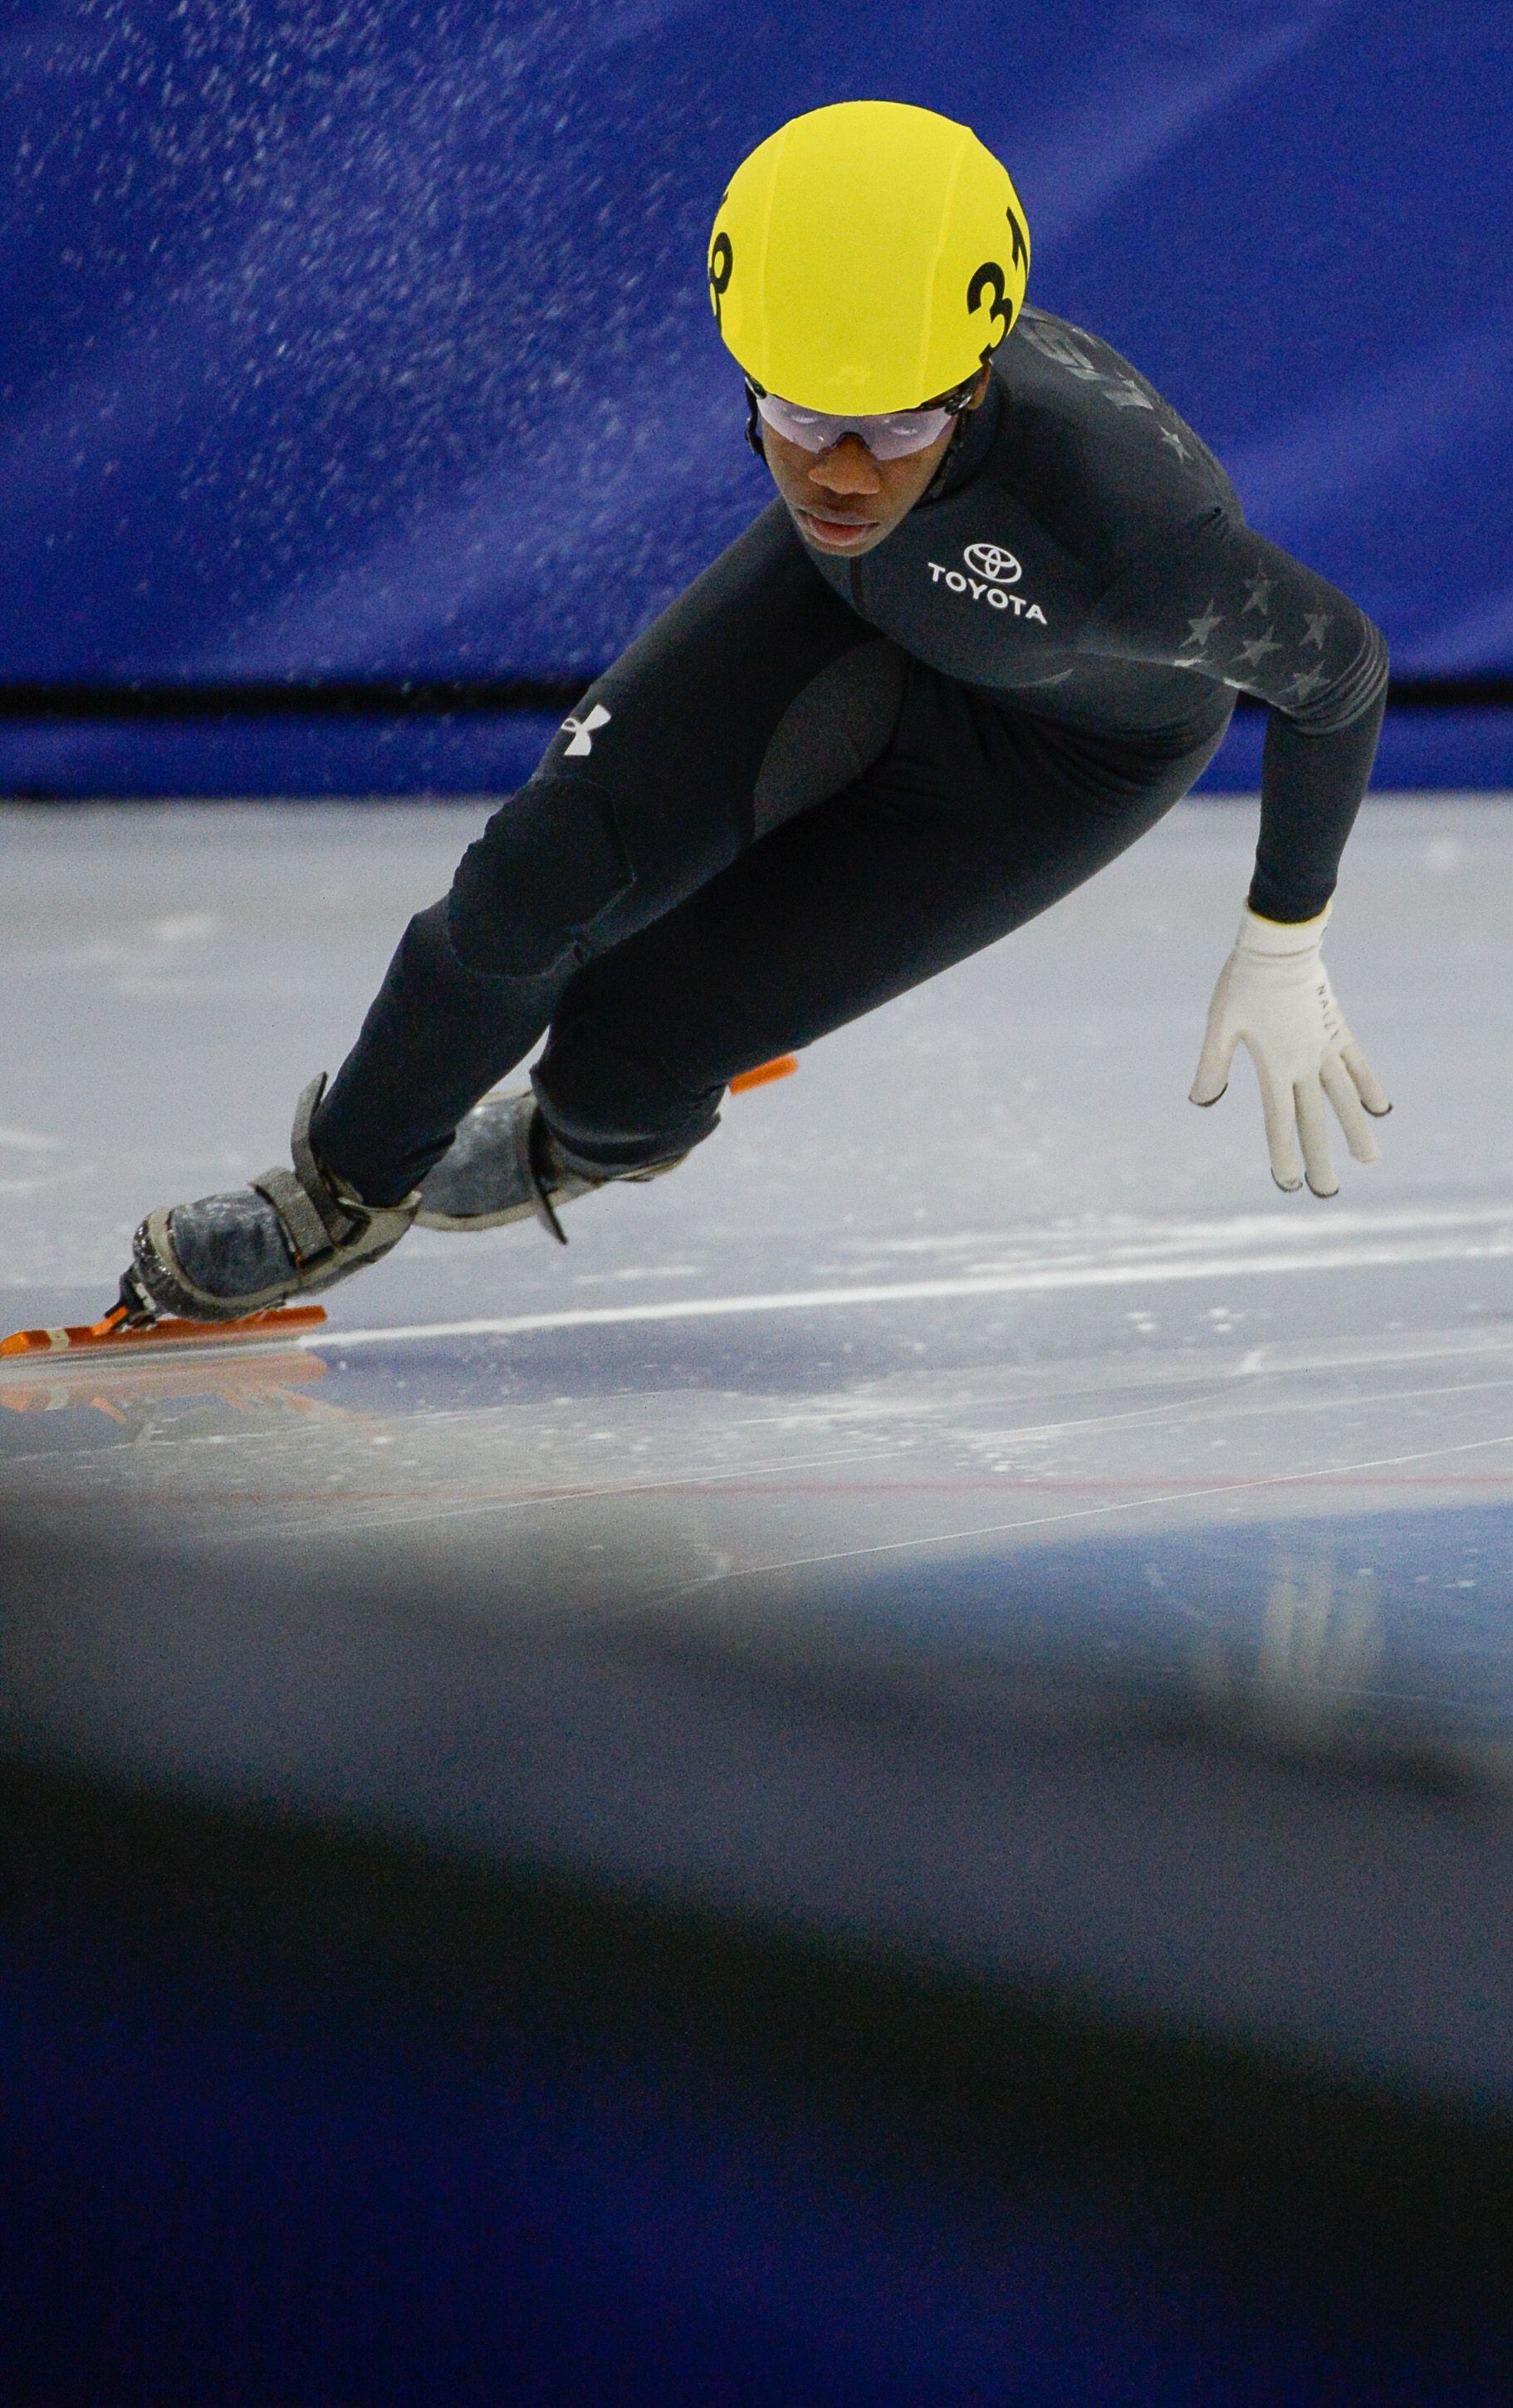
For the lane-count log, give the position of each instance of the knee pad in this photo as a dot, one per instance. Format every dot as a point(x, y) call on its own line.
point(612, 1106)
point(546, 870)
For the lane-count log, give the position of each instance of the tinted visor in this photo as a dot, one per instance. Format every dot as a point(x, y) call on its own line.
point(891, 436)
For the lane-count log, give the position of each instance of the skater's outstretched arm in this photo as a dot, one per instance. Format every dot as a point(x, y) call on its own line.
point(1226, 606)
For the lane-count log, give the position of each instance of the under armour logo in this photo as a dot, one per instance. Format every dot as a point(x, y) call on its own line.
point(583, 729)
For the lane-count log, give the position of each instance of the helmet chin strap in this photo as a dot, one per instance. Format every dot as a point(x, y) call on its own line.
point(958, 430)
point(937, 483)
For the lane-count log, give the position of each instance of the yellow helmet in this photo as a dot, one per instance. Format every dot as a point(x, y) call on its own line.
point(867, 257)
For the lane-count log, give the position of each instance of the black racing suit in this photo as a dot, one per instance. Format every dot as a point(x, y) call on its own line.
point(815, 780)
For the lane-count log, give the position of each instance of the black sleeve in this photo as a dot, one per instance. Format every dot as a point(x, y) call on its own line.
point(1224, 604)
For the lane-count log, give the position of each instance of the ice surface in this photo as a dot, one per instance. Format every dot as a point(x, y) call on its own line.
point(972, 1351)
point(978, 1280)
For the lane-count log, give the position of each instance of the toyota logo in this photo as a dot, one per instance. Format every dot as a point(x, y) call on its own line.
point(989, 560)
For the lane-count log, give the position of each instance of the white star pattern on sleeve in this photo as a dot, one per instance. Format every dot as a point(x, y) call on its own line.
point(1125, 393)
point(1257, 596)
point(1319, 624)
point(1258, 648)
point(1056, 347)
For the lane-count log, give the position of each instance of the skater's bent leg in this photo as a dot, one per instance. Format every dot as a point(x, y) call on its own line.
point(653, 792)
point(614, 1105)
point(475, 978)
point(438, 1036)
point(614, 828)
point(966, 832)
point(474, 981)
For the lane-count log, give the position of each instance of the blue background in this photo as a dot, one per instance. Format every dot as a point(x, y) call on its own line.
point(365, 339)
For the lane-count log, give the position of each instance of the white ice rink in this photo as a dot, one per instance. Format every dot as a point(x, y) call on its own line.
point(972, 1360)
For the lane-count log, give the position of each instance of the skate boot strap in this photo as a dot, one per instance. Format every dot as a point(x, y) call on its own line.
point(537, 1156)
point(555, 1175)
point(316, 1214)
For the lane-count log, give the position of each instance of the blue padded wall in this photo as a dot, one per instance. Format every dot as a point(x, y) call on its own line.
point(365, 337)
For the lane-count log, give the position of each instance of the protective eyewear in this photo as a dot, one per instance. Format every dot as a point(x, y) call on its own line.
point(891, 436)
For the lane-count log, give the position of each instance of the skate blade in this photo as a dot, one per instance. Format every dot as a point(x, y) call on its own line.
point(113, 1333)
point(782, 1067)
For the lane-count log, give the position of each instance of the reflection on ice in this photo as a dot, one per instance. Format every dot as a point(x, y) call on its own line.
point(267, 1380)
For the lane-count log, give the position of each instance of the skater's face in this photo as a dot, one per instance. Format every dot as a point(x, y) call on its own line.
point(844, 500)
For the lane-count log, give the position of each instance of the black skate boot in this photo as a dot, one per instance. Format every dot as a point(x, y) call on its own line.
point(505, 1165)
point(288, 1233)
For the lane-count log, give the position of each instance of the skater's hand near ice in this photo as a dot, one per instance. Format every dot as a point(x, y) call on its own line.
point(1274, 997)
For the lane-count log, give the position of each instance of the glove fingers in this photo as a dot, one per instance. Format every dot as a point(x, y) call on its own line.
point(1312, 1125)
point(1281, 1127)
point(1213, 1072)
point(1339, 1087)
point(1368, 1086)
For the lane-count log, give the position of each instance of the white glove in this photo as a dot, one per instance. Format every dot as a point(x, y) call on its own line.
point(1273, 996)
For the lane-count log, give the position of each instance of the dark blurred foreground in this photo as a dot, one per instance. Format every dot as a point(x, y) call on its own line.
point(338, 2069)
